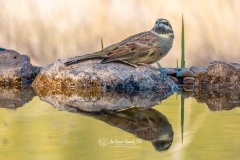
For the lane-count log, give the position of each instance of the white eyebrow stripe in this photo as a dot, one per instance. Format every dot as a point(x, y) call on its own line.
point(164, 21)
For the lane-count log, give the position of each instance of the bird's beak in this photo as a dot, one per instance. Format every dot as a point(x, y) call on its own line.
point(159, 24)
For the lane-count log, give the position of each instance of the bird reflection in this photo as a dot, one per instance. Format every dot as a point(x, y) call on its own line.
point(116, 109)
point(149, 125)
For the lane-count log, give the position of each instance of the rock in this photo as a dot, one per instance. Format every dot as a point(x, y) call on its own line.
point(196, 70)
point(219, 74)
point(174, 79)
point(178, 74)
point(102, 77)
point(16, 69)
point(171, 71)
point(185, 73)
point(2, 49)
point(218, 86)
point(188, 81)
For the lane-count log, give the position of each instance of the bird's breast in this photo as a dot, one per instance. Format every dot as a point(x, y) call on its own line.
point(165, 44)
point(159, 50)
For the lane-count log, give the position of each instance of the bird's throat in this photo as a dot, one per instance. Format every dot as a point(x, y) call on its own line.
point(164, 35)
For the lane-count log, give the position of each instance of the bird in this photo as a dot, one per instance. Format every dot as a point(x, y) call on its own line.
point(143, 48)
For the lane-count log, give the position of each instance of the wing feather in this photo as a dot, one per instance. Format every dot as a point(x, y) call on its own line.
point(136, 46)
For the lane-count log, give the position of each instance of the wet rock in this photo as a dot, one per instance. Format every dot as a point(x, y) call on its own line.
point(2, 49)
point(218, 86)
point(174, 79)
point(188, 81)
point(185, 73)
point(218, 80)
point(219, 74)
point(170, 71)
point(103, 77)
point(195, 69)
point(16, 69)
point(179, 74)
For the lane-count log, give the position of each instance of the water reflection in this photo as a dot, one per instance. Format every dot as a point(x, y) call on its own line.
point(12, 97)
point(130, 112)
point(93, 100)
point(218, 98)
point(149, 124)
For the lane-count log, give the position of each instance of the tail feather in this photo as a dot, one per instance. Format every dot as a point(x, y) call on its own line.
point(78, 59)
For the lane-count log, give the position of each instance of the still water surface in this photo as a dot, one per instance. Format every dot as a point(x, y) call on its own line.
point(38, 131)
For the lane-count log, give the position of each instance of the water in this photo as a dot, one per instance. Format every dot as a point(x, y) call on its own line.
point(38, 130)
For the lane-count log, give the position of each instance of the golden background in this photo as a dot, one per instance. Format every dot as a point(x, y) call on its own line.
point(48, 30)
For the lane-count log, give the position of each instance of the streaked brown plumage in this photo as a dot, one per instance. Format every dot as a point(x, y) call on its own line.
point(143, 48)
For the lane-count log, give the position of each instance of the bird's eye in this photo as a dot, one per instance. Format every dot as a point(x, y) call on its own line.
point(166, 23)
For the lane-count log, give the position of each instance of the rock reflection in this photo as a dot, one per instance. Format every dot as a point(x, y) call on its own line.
point(149, 124)
point(218, 98)
point(130, 112)
point(93, 100)
point(13, 98)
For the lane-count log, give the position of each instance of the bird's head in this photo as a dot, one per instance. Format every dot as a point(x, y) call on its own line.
point(163, 27)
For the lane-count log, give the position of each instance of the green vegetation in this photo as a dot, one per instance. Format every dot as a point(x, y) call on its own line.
point(177, 63)
point(158, 64)
point(183, 46)
point(101, 43)
point(182, 66)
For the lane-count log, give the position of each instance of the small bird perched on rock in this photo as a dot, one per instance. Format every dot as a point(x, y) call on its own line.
point(140, 49)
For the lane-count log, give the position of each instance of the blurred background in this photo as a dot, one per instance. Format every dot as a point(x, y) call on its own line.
point(50, 30)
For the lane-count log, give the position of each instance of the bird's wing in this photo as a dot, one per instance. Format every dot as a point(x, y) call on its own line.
point(135, 46)
point(103, 53)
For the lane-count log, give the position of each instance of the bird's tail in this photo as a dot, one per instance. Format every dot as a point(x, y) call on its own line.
point(77, 59)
